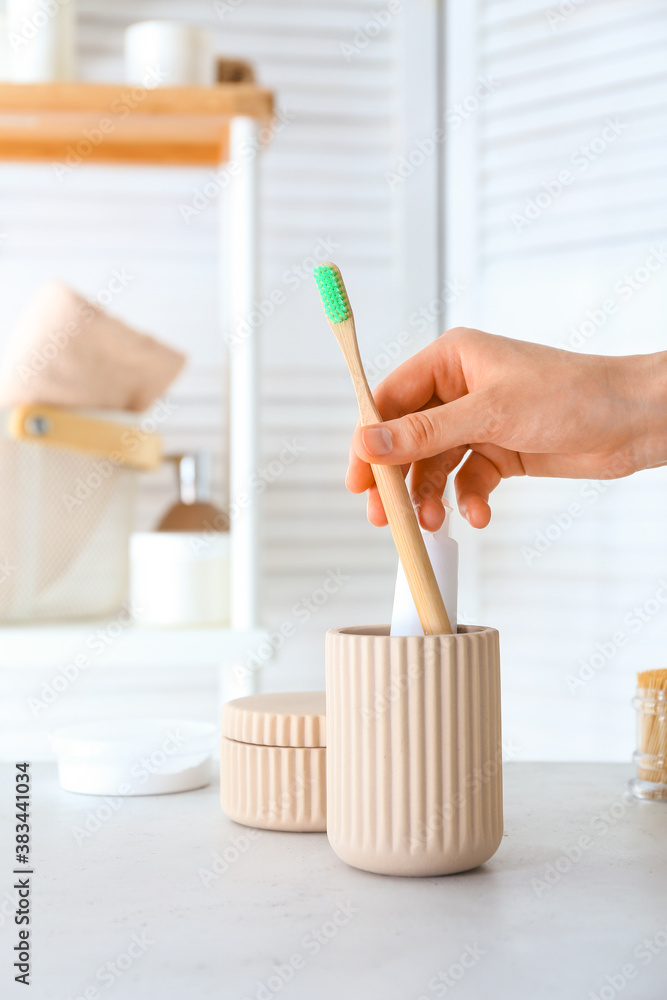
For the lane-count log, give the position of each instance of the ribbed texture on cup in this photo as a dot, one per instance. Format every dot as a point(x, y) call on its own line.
point(281, 719)
point(275, 788)
point(414, 773)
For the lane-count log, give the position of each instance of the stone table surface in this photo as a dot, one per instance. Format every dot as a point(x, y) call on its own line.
point(163, 897)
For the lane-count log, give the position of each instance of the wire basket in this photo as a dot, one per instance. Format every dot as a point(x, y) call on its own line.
point(67, 488)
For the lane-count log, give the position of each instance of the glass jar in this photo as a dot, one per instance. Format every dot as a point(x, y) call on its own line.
point(651, 753)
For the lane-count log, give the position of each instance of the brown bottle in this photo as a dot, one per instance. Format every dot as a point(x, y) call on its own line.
point(193, 512)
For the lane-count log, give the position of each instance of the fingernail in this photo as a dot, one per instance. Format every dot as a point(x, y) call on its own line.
point(377, 440)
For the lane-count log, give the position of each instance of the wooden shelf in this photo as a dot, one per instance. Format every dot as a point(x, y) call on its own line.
point(103, 123)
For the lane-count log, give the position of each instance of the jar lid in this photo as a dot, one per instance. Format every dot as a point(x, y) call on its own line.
point(134, 756)
point(129, 739)
point(280, 719)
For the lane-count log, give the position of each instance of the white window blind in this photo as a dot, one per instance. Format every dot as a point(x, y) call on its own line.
point(324, 196)
point(557, 218)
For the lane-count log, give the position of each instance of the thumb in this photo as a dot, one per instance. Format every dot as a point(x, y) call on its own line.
point(424, 433)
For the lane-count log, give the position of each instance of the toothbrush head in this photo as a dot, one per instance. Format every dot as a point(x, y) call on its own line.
point(332, 292)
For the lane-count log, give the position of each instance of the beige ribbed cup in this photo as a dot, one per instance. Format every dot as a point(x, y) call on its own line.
point(414, 772)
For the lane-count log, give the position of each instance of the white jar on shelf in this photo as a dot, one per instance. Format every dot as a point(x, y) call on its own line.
point(40, 40)
point(180, 578)
point(180, 573)
point(182, 53)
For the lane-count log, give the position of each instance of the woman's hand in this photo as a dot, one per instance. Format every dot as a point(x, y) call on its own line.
point(519, 409)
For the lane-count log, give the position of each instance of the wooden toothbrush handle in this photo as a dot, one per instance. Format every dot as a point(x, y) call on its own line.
point(405, 532)
point(411, 549)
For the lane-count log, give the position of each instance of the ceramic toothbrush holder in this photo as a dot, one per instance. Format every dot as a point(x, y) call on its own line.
point(414, 766)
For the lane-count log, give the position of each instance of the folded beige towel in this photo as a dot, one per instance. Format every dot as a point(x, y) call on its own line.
point(65, 351)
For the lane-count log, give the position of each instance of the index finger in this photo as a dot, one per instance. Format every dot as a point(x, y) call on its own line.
point(433, 375)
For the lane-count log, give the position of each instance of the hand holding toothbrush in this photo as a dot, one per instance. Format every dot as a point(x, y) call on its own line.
point(515, 409)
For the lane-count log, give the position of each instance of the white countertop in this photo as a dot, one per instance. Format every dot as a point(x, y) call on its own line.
point(525, 930)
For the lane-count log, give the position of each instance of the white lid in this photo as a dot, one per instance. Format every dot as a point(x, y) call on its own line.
point(125, 739)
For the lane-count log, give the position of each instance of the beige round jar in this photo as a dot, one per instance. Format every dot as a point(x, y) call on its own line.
point(273, 761)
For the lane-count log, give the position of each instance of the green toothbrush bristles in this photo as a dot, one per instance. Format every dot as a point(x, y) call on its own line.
point(333, 294)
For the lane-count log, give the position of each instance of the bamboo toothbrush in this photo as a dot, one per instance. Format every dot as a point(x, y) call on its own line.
point(389, 478)
point(653, 726)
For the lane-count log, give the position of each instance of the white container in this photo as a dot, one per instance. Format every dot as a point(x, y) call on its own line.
point(4, 48)
point(443, 552)
point(181, 53)
point(180, 577)
point(134, 756)
point(41, 38)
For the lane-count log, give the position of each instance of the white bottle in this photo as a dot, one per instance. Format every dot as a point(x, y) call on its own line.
point(443, 552)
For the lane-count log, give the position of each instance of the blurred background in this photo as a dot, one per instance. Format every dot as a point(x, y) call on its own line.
point(499, 164)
